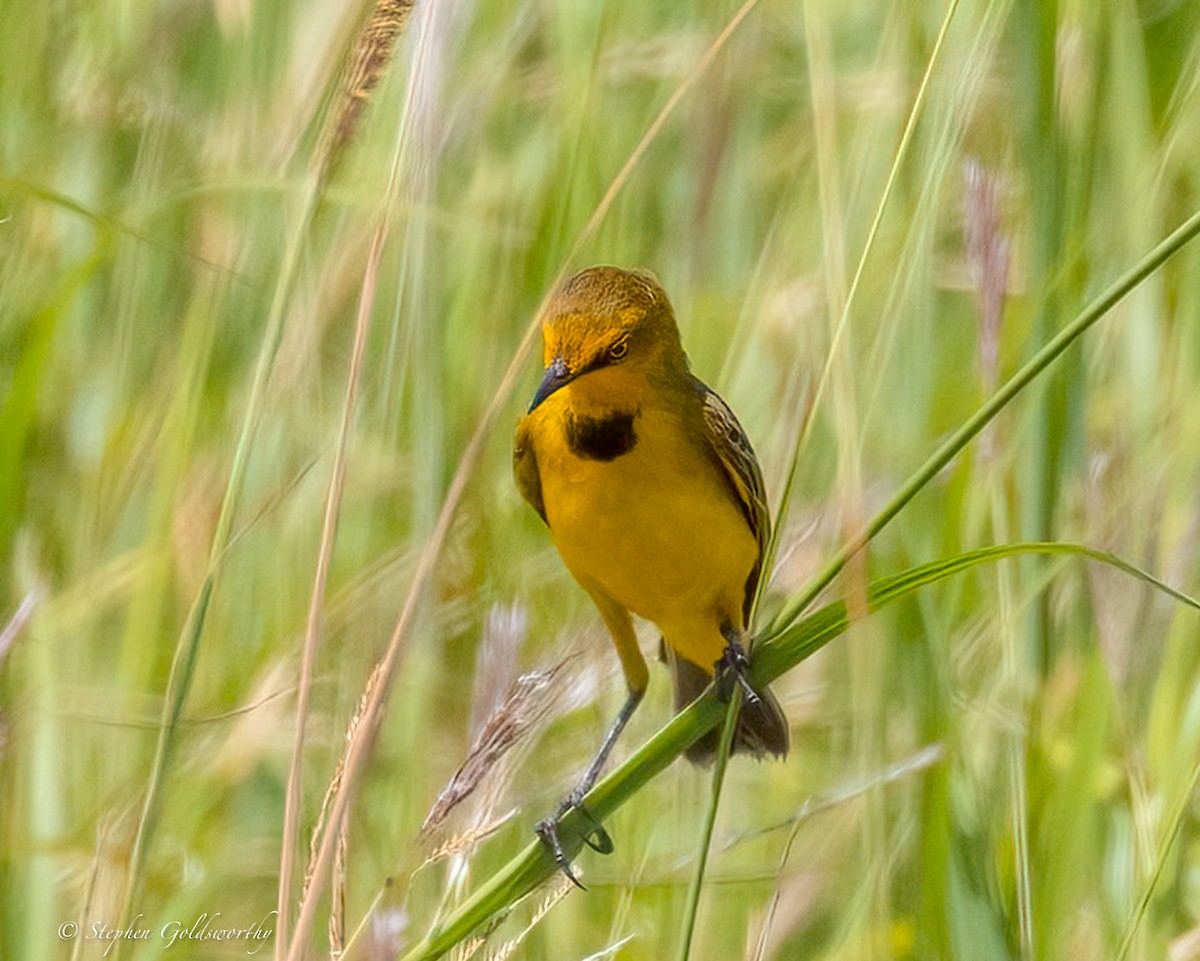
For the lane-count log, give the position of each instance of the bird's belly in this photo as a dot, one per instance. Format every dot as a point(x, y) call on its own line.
point(658, 530)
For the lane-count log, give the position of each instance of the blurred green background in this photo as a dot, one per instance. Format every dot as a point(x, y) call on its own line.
point(994, 769)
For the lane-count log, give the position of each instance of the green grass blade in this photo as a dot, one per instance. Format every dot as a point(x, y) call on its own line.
point(952, 446)
point(704, 844)
point(1174, 823)
point(843, 320)
point(704, 840)
point(187, 648)
point(776, 655)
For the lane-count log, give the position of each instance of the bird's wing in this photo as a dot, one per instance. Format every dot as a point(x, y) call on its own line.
point(735, 455)
point(525, 469)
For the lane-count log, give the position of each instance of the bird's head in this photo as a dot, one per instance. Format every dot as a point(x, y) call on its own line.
point(606, 317)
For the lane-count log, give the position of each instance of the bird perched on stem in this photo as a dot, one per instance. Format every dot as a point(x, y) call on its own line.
point(654, 499)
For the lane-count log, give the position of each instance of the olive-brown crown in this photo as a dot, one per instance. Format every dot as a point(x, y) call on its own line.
point(602, 314)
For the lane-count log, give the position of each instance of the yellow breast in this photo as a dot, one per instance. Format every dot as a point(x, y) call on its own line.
point(656, 526)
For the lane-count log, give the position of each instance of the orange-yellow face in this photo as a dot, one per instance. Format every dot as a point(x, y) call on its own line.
point(604, 316)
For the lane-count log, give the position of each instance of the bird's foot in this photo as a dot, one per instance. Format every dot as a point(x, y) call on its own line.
point(732, 669)
point(595, 836)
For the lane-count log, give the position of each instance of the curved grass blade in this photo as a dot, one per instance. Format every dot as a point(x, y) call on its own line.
point(776, 655)
point(954, 444)
point(355, 756)
point(187, 645)
point(731, 713)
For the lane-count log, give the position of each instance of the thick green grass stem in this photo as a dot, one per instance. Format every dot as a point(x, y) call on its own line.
point(956, 442)
point(1037, 24)
point(704, 842)
point(524, 870)
point(780, 652)
point(876, 220)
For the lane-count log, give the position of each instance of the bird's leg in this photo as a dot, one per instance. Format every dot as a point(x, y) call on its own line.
point(596, 837)
point(733, 666)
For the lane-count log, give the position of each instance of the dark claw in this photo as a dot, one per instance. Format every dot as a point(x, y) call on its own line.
point(731, 669)
point(596, 837)
point(547, 830)
point(593, 835)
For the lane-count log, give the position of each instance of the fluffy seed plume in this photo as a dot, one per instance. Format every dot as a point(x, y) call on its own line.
point(987, 256)
point(504, 632)
point(528, 701)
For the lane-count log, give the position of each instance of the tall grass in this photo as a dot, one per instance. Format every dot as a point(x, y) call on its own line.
point(154, 159)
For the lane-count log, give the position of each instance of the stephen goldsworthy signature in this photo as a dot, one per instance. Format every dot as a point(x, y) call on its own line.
point(205, 927)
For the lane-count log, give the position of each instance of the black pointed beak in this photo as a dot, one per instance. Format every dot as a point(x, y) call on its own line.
point(557, 375)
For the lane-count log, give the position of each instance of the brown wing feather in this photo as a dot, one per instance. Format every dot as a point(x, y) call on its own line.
point(735, 455)
point(525, 470)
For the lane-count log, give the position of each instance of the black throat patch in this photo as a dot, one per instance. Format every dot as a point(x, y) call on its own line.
point(601, 438)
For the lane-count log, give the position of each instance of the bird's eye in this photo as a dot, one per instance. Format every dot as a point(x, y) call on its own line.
point(619, 349)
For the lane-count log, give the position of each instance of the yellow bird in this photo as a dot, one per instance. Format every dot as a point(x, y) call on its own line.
point(653, 497)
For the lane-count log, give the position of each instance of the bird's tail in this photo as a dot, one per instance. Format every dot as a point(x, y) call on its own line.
point(762, 727)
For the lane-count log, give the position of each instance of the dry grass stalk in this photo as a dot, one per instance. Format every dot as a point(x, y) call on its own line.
point(104, 830)
point(611, 950)
point(316, 608)
point(528, 701)
point(468, 949)
point(506, 950)
point(466, 840)
point(367, 63)
point(1186, 947)
point(7, 637)
point(1120, 606)
point(14, 627)
point(335, 784)
point(652, 132)
point(358, 749)
point(337, 908)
